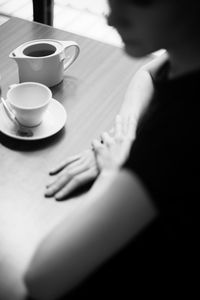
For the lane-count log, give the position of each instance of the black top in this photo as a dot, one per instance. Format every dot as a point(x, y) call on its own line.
point(165, 157)
point(166, 152)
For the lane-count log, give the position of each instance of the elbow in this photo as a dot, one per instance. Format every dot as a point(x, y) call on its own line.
point(31, 285)
point(38, 287)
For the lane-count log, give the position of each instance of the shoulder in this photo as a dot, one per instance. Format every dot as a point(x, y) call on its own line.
point(156, 65)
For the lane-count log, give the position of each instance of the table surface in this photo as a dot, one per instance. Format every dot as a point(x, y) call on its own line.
point(92, 92)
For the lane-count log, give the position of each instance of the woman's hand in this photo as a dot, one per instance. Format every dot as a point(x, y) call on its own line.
point(82, 169)
point(73, 173)
point(113, 151)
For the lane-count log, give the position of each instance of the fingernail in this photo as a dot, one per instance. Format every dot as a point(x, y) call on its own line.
point(58, 198)
point(58, 194)
point(51, 172)
point(47, 195)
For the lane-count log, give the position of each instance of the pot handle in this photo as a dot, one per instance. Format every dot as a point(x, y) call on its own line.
point(70, 59)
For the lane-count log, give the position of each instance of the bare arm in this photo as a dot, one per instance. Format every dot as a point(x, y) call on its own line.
point(81, 169)
point(117, 208)
point(140, 89)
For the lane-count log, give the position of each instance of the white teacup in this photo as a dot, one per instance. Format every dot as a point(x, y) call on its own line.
point(29, 101)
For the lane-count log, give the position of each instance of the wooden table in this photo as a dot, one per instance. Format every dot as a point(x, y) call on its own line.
point(92, 92)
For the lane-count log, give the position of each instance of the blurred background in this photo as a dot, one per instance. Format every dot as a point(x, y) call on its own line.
point(84, 17)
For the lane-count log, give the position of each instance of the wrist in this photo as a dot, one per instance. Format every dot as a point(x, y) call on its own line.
point(108, 172)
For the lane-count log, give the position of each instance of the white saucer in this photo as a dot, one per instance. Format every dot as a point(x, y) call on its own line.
point(54, 120)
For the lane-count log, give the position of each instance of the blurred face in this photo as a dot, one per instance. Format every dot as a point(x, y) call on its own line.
point(149, 25)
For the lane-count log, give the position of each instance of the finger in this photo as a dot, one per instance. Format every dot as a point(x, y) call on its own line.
point(76, 182)
point(97, 149)
point(63, 164)
point(111, 131)
point(57, 185)
point(86, 159)
point(106, 138)
point(90, 160)
point(131, 128)
point(69, 172)
point(75, 167)
point(118, 127)
point(97, 145)
point(85, 163)
point(125, 125)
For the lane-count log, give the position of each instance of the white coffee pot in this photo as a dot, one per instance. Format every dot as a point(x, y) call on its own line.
point(44, 60)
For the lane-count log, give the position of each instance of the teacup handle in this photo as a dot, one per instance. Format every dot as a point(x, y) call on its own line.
point(70, 60)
